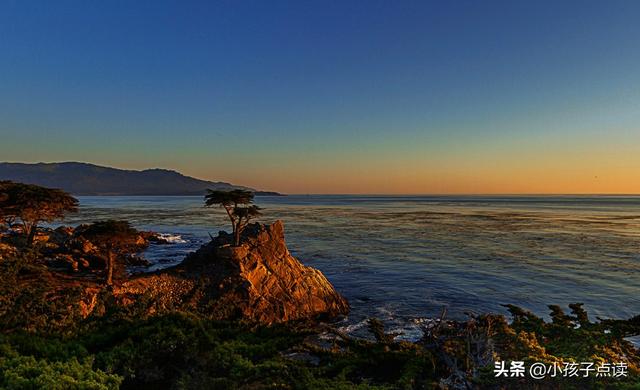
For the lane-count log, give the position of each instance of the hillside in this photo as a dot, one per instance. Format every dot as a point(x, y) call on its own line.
point(88, 179)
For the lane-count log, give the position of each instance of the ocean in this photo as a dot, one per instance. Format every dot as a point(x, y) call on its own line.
point(403, 258)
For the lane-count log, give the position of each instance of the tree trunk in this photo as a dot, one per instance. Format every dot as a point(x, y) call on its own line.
point(236, 236)
point(234, 231)
point(31, 233)
point(110, 261)
point(234, 227)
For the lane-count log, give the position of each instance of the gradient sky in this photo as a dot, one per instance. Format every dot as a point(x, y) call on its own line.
point(331, 96)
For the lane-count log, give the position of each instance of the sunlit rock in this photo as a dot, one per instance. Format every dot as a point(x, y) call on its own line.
point(257, 281)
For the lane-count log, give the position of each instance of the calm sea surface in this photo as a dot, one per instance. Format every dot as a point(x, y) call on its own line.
point(402, 258)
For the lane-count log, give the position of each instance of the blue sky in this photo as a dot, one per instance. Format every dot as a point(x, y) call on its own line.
point(331, 96)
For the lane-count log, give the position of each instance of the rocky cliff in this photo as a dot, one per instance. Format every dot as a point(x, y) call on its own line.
point(257, 281)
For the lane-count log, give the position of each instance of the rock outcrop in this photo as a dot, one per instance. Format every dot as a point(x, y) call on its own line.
point(257, 281)
point(66, 248)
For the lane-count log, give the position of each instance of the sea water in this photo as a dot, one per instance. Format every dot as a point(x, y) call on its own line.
point(404, 258)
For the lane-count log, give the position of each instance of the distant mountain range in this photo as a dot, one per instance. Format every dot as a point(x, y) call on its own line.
point(88, 179)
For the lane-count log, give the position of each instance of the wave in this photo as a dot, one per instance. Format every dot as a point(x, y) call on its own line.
point(172, 238)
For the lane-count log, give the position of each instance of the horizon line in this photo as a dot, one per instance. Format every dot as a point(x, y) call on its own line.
point(231, 182)
point(413, 194)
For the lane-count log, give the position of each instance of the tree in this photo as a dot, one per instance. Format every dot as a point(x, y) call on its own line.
point(4, 220)
point(243, 215)
point(113, 238)
point(237, 204)
point(32, 204)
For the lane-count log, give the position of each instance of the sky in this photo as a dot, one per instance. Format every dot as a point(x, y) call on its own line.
point(380, 97)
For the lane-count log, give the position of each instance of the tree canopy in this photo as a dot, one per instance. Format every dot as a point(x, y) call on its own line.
point(237, 204)
point(113, 238)
point(118, 235)
point(32, 204)
point(228, 199)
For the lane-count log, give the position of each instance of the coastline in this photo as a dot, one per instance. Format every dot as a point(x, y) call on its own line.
point(449, 353)
point(416, 243)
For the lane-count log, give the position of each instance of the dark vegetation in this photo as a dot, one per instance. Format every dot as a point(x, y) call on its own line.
point(114, 238)
point(184, 350)
point(31, 205)
point(46, 342)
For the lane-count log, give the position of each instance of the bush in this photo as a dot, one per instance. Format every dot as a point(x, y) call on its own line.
point(26, 372)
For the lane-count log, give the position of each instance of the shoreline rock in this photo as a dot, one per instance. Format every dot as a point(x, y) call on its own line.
point(257, 281)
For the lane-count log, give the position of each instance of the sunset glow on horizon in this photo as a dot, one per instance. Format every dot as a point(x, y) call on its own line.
point(333, 97)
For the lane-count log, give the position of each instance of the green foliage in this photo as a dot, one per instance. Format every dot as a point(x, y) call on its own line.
point(19, 371)
point(44, 343)
point(30, 299)
point(401, 365)
point(184, 351)
point(567, 338)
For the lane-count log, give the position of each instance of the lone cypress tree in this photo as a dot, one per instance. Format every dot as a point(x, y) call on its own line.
point(113, 238)
point(237, 204)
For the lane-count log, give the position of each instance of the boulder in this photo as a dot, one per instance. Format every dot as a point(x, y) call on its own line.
point(259, 281)
point(61, 235)
point(85, 246)
point(70, 262)
point(136, 261)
